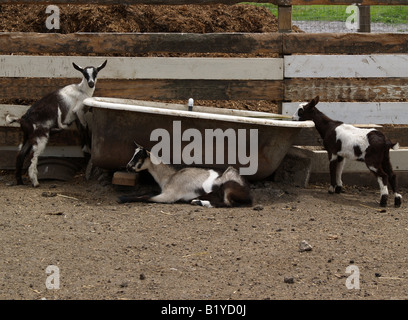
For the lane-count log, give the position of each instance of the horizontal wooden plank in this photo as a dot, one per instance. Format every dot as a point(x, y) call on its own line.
point(374, 89)
point(12, 110)
point(144, 68)
point(345, 43)
point(396, 133)
point(346, 66)
point(344, 89)
point(134, 44)
point(35, 88)
point(359, 112)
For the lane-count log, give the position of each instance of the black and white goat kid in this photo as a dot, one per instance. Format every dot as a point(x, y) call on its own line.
point(200, 186)
point(55, 112)
point(343, 141)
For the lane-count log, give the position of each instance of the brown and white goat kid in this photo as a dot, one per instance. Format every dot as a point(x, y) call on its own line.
point(199, 186)
point(343, 141)
point(55, 112)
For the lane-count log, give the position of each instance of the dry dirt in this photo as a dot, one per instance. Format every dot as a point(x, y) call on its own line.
point(152, 251)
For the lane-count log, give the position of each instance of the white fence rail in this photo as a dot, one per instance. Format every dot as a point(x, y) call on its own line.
point(345, 66)
point(145, 68)
point(359, 112)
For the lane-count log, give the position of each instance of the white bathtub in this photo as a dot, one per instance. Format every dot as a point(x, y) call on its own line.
point(118, 123)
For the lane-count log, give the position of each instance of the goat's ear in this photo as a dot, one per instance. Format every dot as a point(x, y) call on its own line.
point(313, 102)
point(102, 66)
point(77, 67)
point(137, 145)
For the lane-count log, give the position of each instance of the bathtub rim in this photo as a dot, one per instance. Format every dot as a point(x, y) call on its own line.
point(170, 110)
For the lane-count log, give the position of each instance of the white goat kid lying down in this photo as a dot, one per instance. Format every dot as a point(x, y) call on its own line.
point(54, 112)
point(200, 186)
point(344, 141)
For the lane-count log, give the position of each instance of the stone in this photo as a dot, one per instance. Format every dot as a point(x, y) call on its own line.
point(288, 280)
point(304, 246)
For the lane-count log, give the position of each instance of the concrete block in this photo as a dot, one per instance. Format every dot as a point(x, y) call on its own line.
point(295, 167)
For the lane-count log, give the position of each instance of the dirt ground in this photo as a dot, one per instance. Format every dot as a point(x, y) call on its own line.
point(104, 250)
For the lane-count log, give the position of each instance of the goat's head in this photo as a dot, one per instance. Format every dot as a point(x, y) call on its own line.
point(306, 110)
point(90, 73)
point(138, 161)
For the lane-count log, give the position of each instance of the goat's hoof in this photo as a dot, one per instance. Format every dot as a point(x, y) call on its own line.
point(20, 182)
point(331, 190)
point(397, 202)
point(338, 189)
point(35, 185)
point(202, 203)
point(384, 200)
point(196, 202)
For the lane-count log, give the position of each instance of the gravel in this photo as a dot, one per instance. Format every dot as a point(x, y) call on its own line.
point(340, 26)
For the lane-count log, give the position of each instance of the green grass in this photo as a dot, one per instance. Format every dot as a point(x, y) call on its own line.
point(384, 14)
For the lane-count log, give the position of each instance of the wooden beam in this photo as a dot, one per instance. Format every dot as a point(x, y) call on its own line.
point(12, 110)
point(127, 44)
point(345, 43)
point(35, 88)
point(285, 19)
point(364, 19)
point(375, 89)
point(345, 89)
point(346, 66)
point(359, 112)
point(134, 44)
point(144, 68)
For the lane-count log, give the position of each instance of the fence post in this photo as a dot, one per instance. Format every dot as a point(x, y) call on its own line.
point(284, 18)
point(365, 20)
point(284, 26)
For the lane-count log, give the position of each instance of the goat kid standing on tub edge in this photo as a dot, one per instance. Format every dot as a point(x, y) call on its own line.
point(343, 141)
point(55, 112)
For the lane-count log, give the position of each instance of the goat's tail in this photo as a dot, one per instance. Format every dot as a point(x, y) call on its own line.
point(393, 146)
point(10, 119)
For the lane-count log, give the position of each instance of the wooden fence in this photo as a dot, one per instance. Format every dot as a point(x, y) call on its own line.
point(360, 77)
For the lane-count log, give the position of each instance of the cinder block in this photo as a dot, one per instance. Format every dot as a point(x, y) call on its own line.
point(295, 168)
